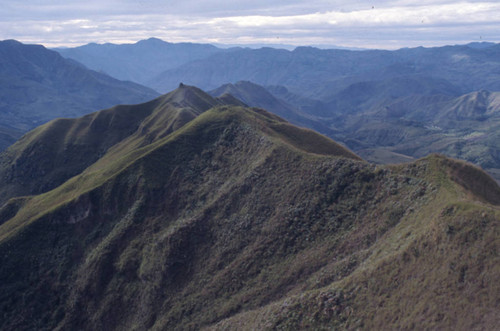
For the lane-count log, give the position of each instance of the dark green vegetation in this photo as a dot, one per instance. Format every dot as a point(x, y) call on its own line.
point(199, 214)
point(38, 85)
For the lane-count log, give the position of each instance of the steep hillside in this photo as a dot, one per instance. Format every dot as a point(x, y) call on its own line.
point(51, 154)
point(37, 85)
point(138, 62)
point(363, 96)
point(240, 220)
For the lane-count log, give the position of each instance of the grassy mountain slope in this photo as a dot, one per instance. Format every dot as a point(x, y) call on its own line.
point(38, 85)
point(237, 220)
point(52, 153)
point(434, 270)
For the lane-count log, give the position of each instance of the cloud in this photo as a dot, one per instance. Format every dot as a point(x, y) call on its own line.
point(450, 13)
point(383, 24)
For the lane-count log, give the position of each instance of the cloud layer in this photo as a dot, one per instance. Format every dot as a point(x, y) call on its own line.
point(369, 24)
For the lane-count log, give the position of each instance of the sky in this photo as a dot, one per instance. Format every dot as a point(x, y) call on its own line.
point(384, 24)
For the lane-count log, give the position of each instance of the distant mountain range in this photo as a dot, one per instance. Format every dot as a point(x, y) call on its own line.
point(195, 212)
point(139, 62)
point(316, 73)
point(37, 85)
point(307, 71)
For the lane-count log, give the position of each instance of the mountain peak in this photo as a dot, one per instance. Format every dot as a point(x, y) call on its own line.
point(152, 41)
point(190, 96)
point(10, 42)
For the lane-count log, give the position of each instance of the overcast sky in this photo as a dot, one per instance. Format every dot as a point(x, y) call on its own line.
point(387, 24)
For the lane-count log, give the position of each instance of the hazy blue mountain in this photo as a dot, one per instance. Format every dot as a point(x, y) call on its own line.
point(8, 136)
point(37, 85)
point(362, 96)
point(306, 71)
point(465, 127)
point(138, 62)
point(308, 105)
point(481, 45)
point(318, 73)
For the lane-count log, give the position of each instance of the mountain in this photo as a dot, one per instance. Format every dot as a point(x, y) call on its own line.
point(308, 71)
point(386, 126)
point(138, 62)
point(317, 74)
point(378, 103)
point(37, 85)
point(464, 127)
point(362, 96)
point(49, 155)
point(257, 96)
point(8, 136)
point(236, 219)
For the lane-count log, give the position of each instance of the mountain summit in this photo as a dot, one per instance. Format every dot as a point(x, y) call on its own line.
point(54, 152)
point(194, 213)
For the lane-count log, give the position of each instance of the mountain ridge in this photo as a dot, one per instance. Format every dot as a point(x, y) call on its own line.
point(309, 70)
point(83, 141)
point(237, 219)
